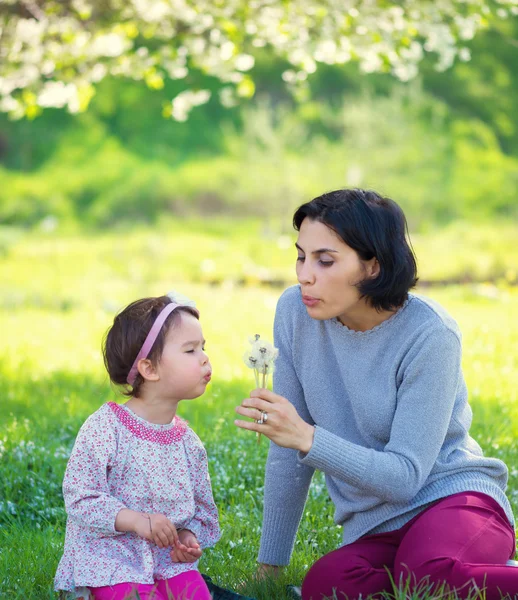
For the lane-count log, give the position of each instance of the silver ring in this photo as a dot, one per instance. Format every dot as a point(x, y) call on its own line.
point(263, 419)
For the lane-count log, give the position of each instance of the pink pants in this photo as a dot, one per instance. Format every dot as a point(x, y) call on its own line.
point(186, 586)
point(464, 539)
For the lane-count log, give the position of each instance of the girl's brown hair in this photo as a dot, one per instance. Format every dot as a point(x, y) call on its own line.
point(126, 336)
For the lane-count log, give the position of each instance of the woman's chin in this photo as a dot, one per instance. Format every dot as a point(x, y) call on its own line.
point(316, 312)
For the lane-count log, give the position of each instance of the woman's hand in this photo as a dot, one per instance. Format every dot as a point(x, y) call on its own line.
point(282, 425)
point(262, 573)
point(265, 571)
point(187, 549)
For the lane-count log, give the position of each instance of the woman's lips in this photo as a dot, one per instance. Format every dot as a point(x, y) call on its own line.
point(310, 301)
point(208, 377)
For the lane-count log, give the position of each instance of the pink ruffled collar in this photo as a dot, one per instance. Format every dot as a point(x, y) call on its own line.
point(151, 432)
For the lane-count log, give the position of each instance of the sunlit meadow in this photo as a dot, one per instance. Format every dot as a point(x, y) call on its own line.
point(58, 296)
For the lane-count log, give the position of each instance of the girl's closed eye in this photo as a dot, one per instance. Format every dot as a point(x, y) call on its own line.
point(193, 350)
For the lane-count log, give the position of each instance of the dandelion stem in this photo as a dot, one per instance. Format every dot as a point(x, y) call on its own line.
point(263, 372)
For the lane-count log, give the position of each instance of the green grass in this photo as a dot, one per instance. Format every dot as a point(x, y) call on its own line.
point(59, 295)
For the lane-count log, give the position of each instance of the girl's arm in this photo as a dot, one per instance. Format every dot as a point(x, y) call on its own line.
point(204, 524)
point(87, 496)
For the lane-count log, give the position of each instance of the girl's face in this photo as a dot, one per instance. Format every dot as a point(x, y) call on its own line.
point(184, 369)
point(328, 271)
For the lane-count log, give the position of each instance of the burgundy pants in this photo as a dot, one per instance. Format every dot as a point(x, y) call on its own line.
point(463, 540)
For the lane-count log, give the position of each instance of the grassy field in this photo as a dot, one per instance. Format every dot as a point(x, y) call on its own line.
point(59, 294)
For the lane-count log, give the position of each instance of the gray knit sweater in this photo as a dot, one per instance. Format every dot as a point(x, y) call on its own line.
point(392, 420)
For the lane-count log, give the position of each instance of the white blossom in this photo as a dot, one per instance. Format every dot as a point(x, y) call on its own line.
point(111, 45)
point(244, 62)
point(61, 44)
point(183, 103)
point(56, 94)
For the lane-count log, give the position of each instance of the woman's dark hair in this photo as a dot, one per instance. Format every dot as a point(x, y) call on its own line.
point(373, 226)
point(126, 336)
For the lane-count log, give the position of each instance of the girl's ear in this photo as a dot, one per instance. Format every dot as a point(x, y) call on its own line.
point(147, 370)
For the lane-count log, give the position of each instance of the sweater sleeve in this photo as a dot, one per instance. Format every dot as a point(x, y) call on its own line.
point(287, 480)
point(204, 524)
point(85, 487)
point(425, 401)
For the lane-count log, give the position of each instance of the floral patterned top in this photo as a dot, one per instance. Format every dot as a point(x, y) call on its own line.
point(119, 460)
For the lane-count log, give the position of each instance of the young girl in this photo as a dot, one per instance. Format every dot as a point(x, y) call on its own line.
point(136, 488)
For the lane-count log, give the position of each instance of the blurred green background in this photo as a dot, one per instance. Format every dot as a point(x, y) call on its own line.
point(444, 145)
point(121, 201)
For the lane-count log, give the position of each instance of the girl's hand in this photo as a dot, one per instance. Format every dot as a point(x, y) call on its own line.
point(187, 549)
point(283, 425)
point(156, 528)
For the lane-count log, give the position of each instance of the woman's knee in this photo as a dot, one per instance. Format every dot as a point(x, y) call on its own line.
point(350, 575)
point(431, 573)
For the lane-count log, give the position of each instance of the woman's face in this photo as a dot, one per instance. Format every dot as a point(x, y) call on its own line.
point(328, 271)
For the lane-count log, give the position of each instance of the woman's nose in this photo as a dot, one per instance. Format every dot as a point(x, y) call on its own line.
point(305, 273)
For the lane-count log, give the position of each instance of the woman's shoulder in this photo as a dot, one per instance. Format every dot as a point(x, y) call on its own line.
point(431, 315)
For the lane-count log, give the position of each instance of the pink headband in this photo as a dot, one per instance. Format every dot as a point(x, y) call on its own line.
point(151, 338)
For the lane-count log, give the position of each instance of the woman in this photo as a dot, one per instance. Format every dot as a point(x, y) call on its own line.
point(369, 389)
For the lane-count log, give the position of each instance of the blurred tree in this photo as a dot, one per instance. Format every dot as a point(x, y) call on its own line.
point(54, 52)
point(486, 87)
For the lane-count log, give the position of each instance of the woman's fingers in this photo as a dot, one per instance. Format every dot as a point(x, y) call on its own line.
point(268, 396)
point(251, 426)
point(256, 403)
point(252, 413)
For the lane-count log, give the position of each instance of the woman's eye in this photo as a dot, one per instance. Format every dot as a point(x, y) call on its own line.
point(327, 263)
point(300, 258)
point(190, 351)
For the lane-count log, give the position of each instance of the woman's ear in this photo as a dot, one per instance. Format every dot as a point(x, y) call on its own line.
point(147, 370)
point(373, 268)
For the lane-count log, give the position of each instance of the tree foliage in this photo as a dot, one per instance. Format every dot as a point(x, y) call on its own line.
point(53, 53)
